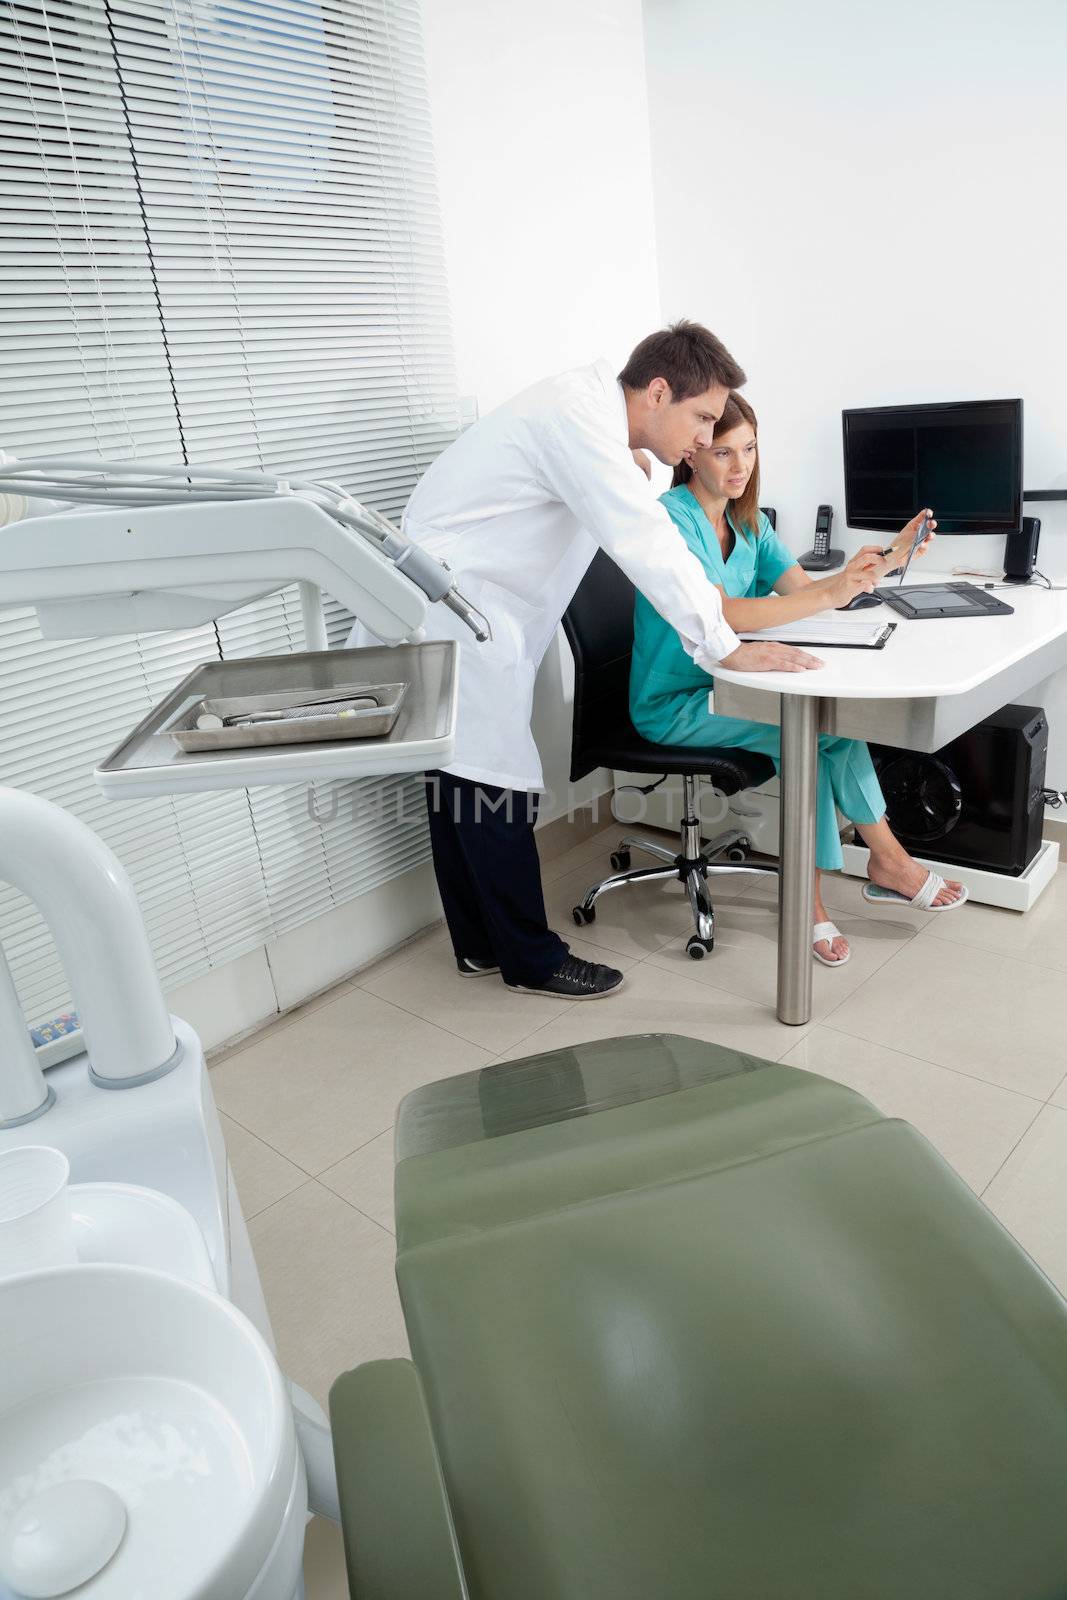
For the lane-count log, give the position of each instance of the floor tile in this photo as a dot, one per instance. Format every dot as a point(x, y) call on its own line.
point(1038, 936)
point(745, 958)
point(482, 1010)
point(320, 1089)
point(974, 1125)
point(365, 1179)
point(275, 1024)
point(658, 1001)
point(328, 1278)
point(592, 851)
point(262, 1175)
point(984, 1015)
point(215, 1058)
point(1029, 1193)
point(324, 1561)
point(430, 939)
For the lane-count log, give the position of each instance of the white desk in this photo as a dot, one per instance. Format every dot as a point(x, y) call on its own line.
point(932, 682)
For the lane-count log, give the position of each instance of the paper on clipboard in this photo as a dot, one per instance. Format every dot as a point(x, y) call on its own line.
point(828, 629)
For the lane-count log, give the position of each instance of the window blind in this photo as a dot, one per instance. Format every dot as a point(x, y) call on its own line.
point(219, 242)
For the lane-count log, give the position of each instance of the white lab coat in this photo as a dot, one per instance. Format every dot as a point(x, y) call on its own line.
point(517, 506)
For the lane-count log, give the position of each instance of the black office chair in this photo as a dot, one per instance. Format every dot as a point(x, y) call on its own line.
point(599, 627)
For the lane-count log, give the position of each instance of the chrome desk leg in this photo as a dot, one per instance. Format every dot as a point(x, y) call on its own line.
point(796, 903)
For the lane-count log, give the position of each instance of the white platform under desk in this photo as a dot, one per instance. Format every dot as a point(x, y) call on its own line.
point(931, 682)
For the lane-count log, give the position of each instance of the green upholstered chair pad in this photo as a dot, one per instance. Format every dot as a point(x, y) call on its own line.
point(746, 1340)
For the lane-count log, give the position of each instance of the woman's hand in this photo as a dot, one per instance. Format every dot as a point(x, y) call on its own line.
point(866, 568)
point(905, 538)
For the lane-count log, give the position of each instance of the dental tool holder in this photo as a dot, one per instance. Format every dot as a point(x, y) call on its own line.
point(175, 547)
point(178, 545)
point(150, 762)
point(98, 572)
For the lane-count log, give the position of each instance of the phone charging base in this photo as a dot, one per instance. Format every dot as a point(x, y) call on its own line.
point(813, 563)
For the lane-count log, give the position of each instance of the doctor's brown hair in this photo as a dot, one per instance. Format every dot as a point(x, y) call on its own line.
point(745, 509)
point(691, 359)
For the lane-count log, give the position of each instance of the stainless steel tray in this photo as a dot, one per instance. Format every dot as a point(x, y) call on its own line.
point(374, 722)
point(149, 762)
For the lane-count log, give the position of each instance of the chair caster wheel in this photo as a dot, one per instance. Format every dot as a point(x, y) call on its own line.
point(736, 852)
point(583, 915)
point(620, 860)
point(698, 948)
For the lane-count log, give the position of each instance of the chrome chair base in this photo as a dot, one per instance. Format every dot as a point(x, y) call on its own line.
point(692, 866)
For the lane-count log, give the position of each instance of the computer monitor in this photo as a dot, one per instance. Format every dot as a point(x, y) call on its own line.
point(964, 459)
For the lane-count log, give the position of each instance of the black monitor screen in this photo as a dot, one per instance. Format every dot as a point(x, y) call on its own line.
point(965, 460)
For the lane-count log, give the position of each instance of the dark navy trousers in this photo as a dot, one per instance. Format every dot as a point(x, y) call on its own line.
point(489, 876)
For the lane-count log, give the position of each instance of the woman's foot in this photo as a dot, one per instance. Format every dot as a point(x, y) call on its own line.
point(831, 951)
point(907, 877)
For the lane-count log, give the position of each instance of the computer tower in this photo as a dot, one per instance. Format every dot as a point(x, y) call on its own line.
point(979, 802)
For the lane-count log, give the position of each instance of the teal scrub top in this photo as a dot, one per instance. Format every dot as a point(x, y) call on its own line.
point(668, 690)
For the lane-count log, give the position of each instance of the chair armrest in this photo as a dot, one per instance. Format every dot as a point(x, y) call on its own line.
point(399, 1540)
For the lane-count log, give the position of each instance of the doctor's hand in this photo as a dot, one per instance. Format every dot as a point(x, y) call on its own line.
point(643, 462)
point(757, 656)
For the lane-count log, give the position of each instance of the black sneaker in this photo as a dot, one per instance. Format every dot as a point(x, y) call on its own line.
point(470, 968)
point(575, 980)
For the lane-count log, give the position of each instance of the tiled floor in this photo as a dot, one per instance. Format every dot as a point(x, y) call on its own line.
point(955, 1023)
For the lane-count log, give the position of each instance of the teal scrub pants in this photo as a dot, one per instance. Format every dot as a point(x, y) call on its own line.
point(846, 777)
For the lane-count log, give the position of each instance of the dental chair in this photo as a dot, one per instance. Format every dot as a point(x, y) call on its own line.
point(689, 1325)
point(599, 624)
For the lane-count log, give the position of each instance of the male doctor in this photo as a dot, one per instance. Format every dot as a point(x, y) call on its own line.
point(517, 506)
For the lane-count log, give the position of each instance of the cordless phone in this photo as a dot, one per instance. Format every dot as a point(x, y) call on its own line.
point(821, 557)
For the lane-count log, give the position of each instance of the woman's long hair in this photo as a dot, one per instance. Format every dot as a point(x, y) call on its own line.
point(744, 511)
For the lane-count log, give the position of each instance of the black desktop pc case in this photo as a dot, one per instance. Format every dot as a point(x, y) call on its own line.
point(979, 801)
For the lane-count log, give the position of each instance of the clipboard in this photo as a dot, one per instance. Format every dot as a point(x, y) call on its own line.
point(878, 641)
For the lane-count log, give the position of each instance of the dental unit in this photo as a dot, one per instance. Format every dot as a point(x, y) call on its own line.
point(106, 1487)
point(170, 1375)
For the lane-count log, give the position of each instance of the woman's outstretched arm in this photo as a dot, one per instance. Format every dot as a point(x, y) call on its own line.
point(801, 596)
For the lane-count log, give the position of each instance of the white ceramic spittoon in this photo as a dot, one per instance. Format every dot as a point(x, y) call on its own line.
point(147, 1443)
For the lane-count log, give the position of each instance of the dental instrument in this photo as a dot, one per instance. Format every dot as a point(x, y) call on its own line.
point(921, 534)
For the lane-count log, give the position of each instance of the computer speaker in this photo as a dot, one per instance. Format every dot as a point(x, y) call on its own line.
point(1020, 552)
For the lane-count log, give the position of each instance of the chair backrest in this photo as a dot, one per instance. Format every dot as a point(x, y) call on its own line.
point(599, 624)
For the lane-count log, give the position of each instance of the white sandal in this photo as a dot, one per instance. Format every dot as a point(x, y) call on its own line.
point(828, 931)
point(874, 894)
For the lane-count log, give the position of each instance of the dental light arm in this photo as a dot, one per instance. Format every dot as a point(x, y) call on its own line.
point(172, 546)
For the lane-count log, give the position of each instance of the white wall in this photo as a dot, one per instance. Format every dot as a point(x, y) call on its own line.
point(541, 134)
point(866, 203)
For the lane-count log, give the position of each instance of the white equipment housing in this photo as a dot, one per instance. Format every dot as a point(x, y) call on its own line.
point(150, 569)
